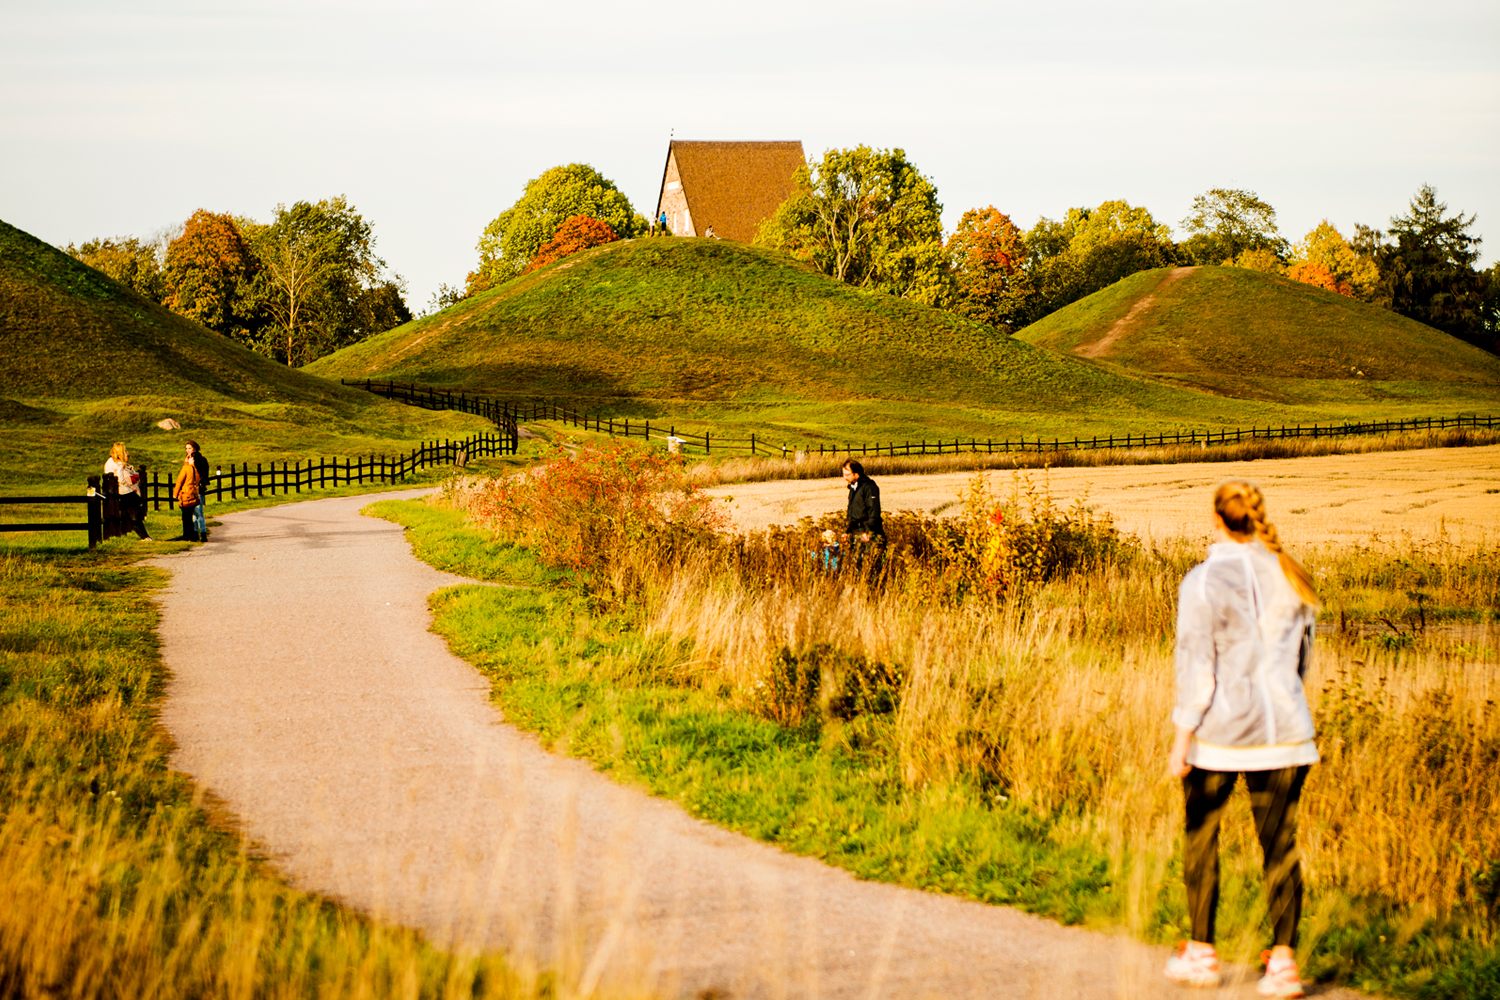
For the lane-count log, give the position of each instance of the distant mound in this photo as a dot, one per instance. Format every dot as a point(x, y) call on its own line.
point(703, 326)
point(85, 361)
point(1245, 333)
point(71, 332)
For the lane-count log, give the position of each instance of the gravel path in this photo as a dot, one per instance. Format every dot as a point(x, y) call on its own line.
point(308, 695)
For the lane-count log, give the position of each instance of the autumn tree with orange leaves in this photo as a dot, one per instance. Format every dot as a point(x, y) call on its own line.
point(208, 273)
point(986, 256)
point(577, 233)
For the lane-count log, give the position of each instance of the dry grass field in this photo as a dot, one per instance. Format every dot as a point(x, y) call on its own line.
point(1386, 496)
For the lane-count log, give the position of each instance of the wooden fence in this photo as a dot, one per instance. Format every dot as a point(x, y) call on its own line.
point(515, 413)
point(106, 519)
point(271, 478)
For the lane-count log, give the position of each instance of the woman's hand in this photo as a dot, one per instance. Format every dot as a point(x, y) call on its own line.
point(1177, 765)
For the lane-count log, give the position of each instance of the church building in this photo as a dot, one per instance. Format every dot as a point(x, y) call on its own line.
point(729, 187)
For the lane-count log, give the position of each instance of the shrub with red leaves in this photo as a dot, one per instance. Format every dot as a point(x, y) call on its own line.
point(579, 232)
point(579, 510)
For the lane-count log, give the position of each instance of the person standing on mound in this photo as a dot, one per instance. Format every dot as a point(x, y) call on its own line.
point(1245, 619)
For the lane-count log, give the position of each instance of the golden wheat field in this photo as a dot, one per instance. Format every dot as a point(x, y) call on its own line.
point(1326, 499)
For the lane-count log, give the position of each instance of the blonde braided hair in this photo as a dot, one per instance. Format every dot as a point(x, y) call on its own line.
point(1242, 508)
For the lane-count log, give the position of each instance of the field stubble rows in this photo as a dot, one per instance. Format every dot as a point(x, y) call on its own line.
point(1340, 499)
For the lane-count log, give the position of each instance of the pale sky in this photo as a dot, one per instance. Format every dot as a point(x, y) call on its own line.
point(123, 117)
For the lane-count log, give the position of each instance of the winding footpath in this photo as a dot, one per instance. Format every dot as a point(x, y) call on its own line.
point(308, 695)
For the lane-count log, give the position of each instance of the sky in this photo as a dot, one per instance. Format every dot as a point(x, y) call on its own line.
point(124, 117)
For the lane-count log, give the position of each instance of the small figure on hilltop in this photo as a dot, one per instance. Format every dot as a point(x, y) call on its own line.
point(200, 463)
point(1244, 638)
point(186, 492)
point(131, 501)
point(864, 524)
point(662, 222)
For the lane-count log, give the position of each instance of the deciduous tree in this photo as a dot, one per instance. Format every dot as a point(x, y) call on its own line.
point(1090, 249)
point(1324, 258)
point(1225, 223)
point(208, 273)
point(869, 218)
point(513, 238)
point(133, 263)
point(987, 258)
point(321, 281)
point(578, 233)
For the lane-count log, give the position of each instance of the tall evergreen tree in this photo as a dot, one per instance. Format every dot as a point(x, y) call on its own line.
point(1428, 273)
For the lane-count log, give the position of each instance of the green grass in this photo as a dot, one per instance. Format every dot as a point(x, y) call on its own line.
point(589, 683)
point(85, 362)
point(748, 337)
point(116, 881)
point(1260, 336)
point(704, 330)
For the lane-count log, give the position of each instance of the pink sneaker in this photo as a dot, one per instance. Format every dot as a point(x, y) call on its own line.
point(1194, 964)
point(1280, 979)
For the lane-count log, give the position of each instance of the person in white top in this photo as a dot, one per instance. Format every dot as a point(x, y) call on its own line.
point(118, 465)
point(1245, 619)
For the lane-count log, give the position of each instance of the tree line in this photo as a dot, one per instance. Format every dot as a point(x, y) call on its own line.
point(294, 289)
point(870, 218)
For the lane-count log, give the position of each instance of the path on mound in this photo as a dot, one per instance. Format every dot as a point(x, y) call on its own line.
point(1343, 499)
point(1105, 344)
point(309, 696)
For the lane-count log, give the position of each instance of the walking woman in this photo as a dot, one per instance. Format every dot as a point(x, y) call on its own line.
point(118, 465)
point(186, 492)
point(1244, 637)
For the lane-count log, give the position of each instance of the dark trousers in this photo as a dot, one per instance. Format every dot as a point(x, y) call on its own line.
point(189, 525)
point(1273, 802)
point(133, 506)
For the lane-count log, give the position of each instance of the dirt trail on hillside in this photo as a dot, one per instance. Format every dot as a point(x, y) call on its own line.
point(1122, 326)
point(309, 695)
point(1346, 499)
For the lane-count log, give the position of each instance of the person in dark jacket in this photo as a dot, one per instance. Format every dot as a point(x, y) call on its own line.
point(864, 504)
point(200, 521)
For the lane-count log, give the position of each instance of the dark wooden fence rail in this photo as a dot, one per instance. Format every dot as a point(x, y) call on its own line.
point(107, 520)
point(515, 413)
point(271, 478)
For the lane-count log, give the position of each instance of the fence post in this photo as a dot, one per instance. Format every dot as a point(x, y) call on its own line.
point(96, 512)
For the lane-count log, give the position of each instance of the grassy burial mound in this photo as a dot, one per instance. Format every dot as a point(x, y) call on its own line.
point(1259, 336)
point(85, 361)
point(734, 333)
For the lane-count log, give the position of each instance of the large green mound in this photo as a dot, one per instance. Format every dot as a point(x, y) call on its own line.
point(1246, 333)
point(727, 331)
point(85, 361)
point(73, 332)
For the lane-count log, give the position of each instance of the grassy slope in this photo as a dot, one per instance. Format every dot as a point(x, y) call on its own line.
point(732, 332)
point(1255, 335)
point(85, 361)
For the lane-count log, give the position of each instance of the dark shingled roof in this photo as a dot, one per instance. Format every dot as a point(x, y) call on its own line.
point(733, 186)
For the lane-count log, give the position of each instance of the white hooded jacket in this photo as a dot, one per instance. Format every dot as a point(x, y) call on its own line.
point(1244, 640)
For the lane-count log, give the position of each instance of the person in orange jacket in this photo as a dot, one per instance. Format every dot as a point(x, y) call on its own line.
point(187, 491)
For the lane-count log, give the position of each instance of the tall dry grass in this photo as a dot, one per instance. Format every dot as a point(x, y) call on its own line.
point(1052, 686)
point(752, 469)
point(1060, 700)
